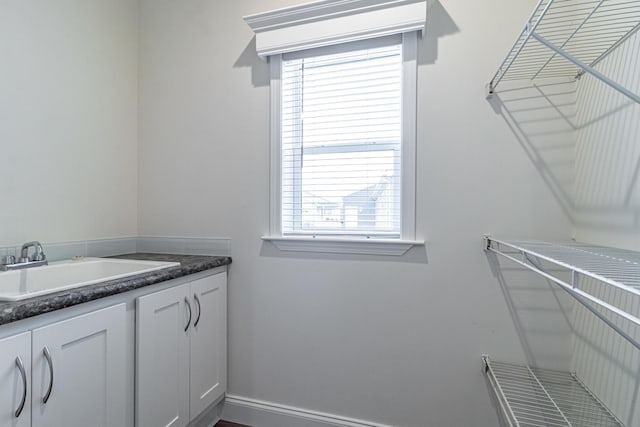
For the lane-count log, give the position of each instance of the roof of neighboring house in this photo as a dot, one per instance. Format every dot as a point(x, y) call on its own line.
point(368, 194)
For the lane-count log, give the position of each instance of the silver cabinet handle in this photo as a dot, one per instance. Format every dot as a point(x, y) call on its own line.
point(186, 301)
point(47, 356)
point(195, 297)
point(20, 366)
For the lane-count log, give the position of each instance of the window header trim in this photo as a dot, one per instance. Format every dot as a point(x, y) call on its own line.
point(395, 39)
point(330, 22)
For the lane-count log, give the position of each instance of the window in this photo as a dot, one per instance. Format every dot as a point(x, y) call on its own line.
point(343, 124)
point(341, 132)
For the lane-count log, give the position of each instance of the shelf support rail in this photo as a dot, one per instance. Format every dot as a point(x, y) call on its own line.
point(578, 28)
point(599, 315)
point(611, 49)
point(579, 294)
point(586, 68)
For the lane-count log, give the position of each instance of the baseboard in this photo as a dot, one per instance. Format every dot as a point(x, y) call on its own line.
point(209, 416)
point(258, 413)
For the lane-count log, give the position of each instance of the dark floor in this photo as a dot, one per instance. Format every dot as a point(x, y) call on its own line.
point(224, 423)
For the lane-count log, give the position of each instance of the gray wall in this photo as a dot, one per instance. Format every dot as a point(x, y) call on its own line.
point(68, 119)
point(389, 340)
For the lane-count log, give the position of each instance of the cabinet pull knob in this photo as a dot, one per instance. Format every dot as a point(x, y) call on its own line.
point(47, 356)
point(186, 301)
point(23, 374)
point(195, 297)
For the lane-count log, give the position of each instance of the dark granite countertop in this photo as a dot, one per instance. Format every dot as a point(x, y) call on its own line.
point(189, 264)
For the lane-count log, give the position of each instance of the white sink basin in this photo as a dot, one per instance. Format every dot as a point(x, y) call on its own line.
point(57, 276)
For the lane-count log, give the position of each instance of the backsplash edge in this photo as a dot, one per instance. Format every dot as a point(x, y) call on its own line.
point(57, 251)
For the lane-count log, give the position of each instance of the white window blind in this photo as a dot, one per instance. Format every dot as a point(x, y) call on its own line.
point(341, 137)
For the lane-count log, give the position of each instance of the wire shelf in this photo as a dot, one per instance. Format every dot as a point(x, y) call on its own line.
point(611, 267)
point(570, 37)
point(619, 267)
point(531, 397)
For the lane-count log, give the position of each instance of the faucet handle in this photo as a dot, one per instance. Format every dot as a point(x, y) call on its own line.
point(39, 255)
point(8, 260)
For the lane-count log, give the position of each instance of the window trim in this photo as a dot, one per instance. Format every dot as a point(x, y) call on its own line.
point(360, 244)
point(409, 134)
point(333, 245)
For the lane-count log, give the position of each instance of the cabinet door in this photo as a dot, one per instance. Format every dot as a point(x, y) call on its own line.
point(208, 342)
point(79, 371)
point(15, 381)
point(162, 358)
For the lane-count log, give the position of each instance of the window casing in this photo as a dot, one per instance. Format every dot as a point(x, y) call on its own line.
point(348, 109)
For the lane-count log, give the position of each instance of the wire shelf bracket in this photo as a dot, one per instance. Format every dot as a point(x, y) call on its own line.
point(573, 37)
point(530, 396)
point(615, 268)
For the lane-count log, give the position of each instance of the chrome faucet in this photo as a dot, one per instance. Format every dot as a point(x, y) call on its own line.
point(37, 256)
point(25, 261)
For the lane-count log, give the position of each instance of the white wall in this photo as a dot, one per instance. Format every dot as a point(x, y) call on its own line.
point(607, 211)
point(608, 154)
point(68, 119)
point(389, 340)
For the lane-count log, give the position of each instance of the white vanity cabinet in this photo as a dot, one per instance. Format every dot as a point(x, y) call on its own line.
point(162, 359)
point(208, 367)
point(15, 381)
point(78, 371)
point(69, 373)
point(152, 356)
point(181, 351)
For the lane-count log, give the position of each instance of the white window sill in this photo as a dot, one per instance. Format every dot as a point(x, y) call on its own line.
point(337, 245)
